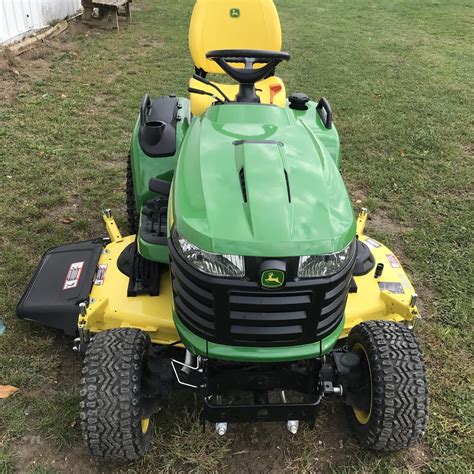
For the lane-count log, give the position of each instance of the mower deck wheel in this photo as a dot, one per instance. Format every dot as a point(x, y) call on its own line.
point(113, 422)
point(396, 409)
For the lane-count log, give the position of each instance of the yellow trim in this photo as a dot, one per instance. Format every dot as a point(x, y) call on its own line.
point(145, 424)
point(361, 220)
point(112, 228)
point(372, 303)
point(362, 416)
point(110, 307)
point(213, 27)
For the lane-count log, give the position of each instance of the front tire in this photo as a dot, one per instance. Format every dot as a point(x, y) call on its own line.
point(395, 410)
point(113, 422)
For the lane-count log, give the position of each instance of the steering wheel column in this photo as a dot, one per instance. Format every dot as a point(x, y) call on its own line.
point(247, 91)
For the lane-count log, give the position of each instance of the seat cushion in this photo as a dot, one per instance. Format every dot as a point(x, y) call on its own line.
point(270, 91)
point(232, 24)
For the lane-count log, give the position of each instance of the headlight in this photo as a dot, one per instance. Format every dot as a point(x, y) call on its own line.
point(211, 263)
point(325, 265)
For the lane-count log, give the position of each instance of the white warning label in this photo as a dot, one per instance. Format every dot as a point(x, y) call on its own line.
point(100, 274)
point(393, 260)
point(372, 243)
point(392, 286)
point(73, 275)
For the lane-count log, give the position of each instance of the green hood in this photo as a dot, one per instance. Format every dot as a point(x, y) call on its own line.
point(254, 180)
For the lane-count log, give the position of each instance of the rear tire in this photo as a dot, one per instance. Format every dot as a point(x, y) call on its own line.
point(398, 390)
point(131, 204)
point(112, 419)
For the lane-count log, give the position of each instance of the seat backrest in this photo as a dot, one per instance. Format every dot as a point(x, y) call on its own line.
point(232, 24)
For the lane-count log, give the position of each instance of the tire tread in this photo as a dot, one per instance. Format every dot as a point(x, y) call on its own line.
point(400, 389)
point(110, 391)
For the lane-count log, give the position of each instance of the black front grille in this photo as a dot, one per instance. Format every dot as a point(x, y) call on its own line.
point(257, 316)
point(239, 312)
point(194, 302)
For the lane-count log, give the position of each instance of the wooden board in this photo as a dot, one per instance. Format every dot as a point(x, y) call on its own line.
point(105, 3)
point(107, 9)
point(31, 41)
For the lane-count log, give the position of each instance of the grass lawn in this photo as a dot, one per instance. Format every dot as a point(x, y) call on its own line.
point(399, 77)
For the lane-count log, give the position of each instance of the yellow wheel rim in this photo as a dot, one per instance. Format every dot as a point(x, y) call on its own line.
point(362, 416)
point(145, 424)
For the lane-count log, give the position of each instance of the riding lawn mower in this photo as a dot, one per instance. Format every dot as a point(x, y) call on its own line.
point(246, 277)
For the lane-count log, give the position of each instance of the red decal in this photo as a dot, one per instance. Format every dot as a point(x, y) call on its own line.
point(73, 275)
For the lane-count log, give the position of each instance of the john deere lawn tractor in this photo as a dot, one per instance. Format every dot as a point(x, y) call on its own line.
point(246, 276)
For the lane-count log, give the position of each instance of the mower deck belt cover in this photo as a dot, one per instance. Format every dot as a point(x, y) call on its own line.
point(62, 280)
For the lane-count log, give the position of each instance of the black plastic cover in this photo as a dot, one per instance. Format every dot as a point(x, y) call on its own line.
point(298, 101)
point(365, 261)
point(62, 280)
point(143, 274)
point(325, 112)
point(159, 186)
point(238, 312)
point(157, 134)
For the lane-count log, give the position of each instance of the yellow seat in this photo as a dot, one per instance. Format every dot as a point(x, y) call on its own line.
point(233, 24)
point(270, 91)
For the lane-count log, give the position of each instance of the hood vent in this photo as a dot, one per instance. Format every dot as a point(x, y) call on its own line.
point(287, 185)
point(243, 187)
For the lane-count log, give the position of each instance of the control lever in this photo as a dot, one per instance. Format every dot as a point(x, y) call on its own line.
point(192, 90)
point(209, 83)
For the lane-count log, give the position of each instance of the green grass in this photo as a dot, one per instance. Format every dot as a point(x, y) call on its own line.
point(398, 76)
point(180, 445)
point(58, 417)
point(42, 470)
point(7, 460)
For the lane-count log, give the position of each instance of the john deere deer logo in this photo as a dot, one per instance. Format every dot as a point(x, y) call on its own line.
point(234, 13)
point(272, 278)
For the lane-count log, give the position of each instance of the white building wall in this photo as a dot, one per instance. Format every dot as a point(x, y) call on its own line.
point(19, 18)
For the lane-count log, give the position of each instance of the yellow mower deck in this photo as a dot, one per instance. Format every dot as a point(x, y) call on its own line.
point(111, 308)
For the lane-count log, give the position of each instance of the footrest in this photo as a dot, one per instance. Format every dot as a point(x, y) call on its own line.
point(153, 221)
point(143, 274)
point(62, 280)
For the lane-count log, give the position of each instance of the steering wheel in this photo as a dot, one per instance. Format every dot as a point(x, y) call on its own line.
point(247, 76)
